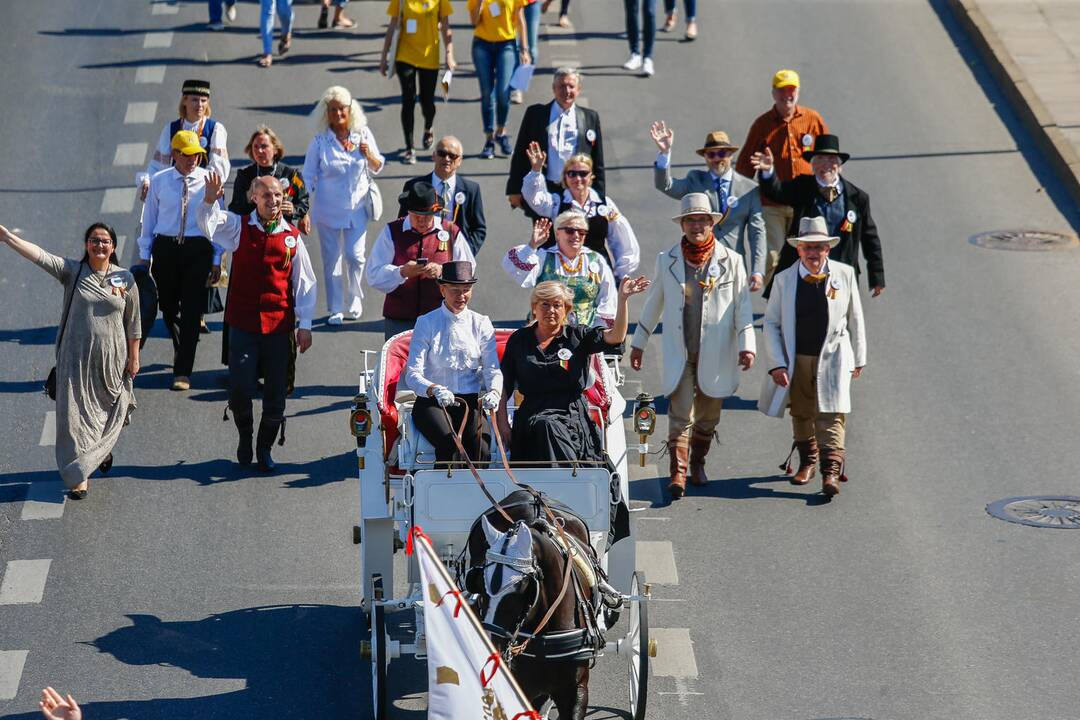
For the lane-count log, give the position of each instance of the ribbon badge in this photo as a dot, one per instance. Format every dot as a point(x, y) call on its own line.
point(564, 356)
point(849, 221)
point(834, 285)
point(444, 238)
point(290, 243)
point(118, 285)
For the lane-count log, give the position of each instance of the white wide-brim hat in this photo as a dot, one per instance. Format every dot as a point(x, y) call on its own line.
point(696, 204)
point(813, 229)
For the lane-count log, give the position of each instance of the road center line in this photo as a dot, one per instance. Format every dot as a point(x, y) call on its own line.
point(158, 39)
point(44, 500)
point(48, 430)
point(164, 8)
point(150, 75)
point(657, 560)
point(130, 154)
point(140, 112)
point(11, 669)
point(24, 582)
point(120, 239)
point(674, 653)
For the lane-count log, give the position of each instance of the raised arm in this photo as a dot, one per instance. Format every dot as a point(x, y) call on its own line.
point(630, 286)
point(27, 249)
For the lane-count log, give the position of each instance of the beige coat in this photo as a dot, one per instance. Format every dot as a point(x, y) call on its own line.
point(727, 326)
point(843, 351)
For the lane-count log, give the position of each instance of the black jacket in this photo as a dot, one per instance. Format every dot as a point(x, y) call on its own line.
point(534, 129)
point(469, 215)
point(801, 194)
point(297, 192)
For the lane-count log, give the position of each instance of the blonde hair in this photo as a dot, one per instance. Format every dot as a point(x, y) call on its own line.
point(183, 114)
point(279, 149)
point(577, 159)
point(552, 290)
point(572, 214)
point(336, 93)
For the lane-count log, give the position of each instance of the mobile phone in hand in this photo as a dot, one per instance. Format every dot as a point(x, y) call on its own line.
point(421, 261)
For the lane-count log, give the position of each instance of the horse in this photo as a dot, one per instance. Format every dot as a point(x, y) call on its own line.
point(517, 573)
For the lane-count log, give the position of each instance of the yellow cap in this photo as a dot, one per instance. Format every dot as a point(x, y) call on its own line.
point(785, 78)
point(187, 143)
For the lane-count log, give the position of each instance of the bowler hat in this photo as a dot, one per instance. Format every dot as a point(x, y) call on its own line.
point(826, 145)
point(696, 204)
point(420, 199)
point(716, 139)
point(813, 230)
point(458, 272)
point(196, 87)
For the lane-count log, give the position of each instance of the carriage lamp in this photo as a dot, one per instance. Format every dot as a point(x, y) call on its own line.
point(360, 423)
point(644, 423)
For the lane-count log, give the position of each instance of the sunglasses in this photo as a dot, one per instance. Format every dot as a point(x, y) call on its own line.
point(574, 231)
point(719, 154)
point(99, 241)
point(578, 173)
point(447, 154)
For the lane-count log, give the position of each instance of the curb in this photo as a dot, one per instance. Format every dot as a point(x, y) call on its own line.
point(1061, 153)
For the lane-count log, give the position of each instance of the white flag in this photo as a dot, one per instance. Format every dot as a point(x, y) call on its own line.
point(467, 677)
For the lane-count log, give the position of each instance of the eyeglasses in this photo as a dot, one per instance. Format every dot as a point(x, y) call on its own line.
point(574, 231)
point(719, 154)
point(578, 173)
point(447, 154)
point(99, 241)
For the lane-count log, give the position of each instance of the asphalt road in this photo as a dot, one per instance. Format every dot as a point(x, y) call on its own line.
point(182, 588)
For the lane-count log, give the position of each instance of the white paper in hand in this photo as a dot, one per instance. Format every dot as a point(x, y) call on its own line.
point(521, 78)
point(445, 82)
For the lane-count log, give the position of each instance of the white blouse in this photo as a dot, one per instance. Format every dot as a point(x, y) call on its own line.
point(337, 178)
point(456, 351)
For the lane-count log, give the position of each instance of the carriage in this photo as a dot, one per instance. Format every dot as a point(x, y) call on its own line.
point(401, 488)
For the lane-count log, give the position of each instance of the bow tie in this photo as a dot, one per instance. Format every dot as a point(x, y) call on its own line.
point(815, 278)
point(829, 192)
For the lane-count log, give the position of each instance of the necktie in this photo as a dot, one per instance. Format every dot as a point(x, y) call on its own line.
point(829, 192)
point(444, 199)
point(815, 278)
point(183, 211)
point(721, 192)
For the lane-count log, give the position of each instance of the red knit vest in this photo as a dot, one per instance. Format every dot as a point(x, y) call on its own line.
point(260, 298)
point(417, 296)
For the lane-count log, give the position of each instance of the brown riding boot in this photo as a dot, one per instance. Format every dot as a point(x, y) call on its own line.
point(699, 448)
point(679, 452)
point(808, 460)
point(832, 465)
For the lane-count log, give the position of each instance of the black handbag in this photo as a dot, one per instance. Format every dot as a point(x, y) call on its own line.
point(50, 382)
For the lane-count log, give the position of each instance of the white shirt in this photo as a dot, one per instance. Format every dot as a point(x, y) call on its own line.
point(839, 185)
point(451, 183)
point(223, 228)
point(337, 179)
point(458, 352)
point(217, 154)
point(562, 139)
point(621, 240)
point(385, 276)
point(161, 214)
point(524, 264)
point(804, 271)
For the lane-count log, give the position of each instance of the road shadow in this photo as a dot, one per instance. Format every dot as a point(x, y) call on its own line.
point(30, 336)
point(749, 488)
point(315, 473)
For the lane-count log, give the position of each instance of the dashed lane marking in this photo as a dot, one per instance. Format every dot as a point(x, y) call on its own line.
point(570, 42)
point(140, 112)
point(130, 154)
point(150, 75)
point(566, 62)
point(674, 653)
point(48, 430)
point(11, 669)
point(120, 240)
point(118, 200)
point(24, 582)
point(158, 39)
point(657, 559)
point(164, 8)
point(44, 500)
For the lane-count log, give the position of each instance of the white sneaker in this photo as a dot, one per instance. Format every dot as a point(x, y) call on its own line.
point(647, 68)
point(230, 13)
point(335, 319)
point(517, 97)
point(355, 314)
point(633, 63)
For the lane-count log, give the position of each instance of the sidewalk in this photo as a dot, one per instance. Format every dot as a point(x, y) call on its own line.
point(1032, 48)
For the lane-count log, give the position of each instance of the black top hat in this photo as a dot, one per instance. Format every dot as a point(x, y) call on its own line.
point(196, 87)
point(826, 145)
point(420, 199)
point(458, 272)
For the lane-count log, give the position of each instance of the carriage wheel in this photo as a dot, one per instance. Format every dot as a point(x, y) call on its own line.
point(637, 636)
point(379, 660)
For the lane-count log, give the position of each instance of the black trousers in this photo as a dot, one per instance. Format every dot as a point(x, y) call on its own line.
point(180, 271)
point(250, 354)
point(410, 77)
point(429, 420)
point(392, 327)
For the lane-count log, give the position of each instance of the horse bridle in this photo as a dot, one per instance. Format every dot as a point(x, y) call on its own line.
point(529, 569)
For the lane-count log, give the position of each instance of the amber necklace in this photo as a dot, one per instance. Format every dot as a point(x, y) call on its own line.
point(576, 268)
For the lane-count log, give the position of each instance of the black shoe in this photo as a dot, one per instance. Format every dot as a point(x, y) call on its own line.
point(324, 18)
point(266, 462)
point(78, 494)
point(106, 465)
point(245, 426)
point(268, 432)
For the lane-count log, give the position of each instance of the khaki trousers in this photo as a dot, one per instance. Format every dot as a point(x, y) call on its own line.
point(777, 221)
point(689, 407)
point(806, 422)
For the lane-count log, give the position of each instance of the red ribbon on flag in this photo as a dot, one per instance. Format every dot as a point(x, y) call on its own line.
point(456, 594)
point(529, 715)
point(417, 531)
point(496, 660)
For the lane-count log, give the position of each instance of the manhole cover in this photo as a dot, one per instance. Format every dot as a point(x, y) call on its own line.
point(1044, 512)
point(1025, 240)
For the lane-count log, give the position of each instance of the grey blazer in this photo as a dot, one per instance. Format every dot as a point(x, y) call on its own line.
point(743, 230)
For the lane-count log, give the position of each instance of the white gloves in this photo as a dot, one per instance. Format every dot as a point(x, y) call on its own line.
point(443, 396)
point(490, 400)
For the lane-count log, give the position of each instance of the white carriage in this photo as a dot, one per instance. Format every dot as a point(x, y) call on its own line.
point(400, 488)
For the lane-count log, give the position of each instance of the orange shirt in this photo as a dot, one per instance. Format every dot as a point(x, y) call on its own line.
point(786, 138)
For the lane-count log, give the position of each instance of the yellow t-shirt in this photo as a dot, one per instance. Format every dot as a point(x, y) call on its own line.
point(496, 19)
point(419, 42)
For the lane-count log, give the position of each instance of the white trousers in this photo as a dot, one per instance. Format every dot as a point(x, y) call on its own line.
point(343, 266)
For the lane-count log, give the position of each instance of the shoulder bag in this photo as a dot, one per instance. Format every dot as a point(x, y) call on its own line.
point(50, 382)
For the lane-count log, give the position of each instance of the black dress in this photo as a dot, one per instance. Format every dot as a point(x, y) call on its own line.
point(552, 424)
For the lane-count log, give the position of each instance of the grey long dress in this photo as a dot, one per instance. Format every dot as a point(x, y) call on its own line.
point(94, 395)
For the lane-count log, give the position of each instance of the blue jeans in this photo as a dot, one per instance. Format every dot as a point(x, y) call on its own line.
point(266, 21)
point(217, 8)
point(648, 28)
point(532, 27)
point(494, 62)
point(689, 5)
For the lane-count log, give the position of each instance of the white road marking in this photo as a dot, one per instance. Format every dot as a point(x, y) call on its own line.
point(128, 154)
point(159, 39)
point(566, 62)
point(120, 240)
point(44, 500)
point(48, 430)
point(164, 8)
point(657, 560)
point(24, 582)
point(564, 41)
point(118, 200)
point(11, 668)
point(140, 112)
point(150, 75)
point(674, 653)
